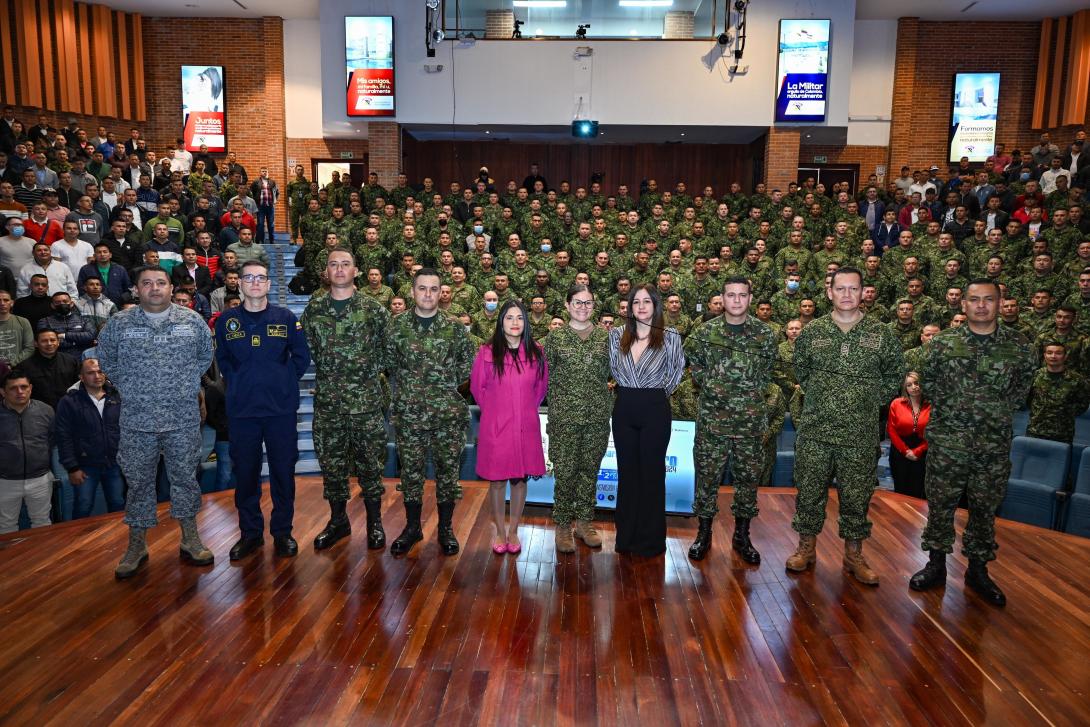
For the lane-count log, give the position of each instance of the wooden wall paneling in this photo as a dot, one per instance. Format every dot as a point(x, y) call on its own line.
point(1040, 93)
point(1057, 72)
point(1078, 70)
point(83, 33)
point(46, 58)
point(7, 54)
point(140, 112)
point(122, 44)
point(67, 57)
point(105, 85)
point(30, 80)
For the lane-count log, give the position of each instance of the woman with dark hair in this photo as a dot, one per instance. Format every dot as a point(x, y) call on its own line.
point(509, 380)
point(647, 363)
point(579, 407)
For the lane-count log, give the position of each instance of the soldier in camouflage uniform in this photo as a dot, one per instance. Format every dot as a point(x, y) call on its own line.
point(731, 362)
point(777, 412)
point(156, 354)
point(1057, 397)
point(429, 356)
point(298, 192)
point(850, 366)
point(345, 331)
point(580, 406)
point(976, 376)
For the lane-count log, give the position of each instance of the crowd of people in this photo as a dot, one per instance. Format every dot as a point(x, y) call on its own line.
point(721, 306)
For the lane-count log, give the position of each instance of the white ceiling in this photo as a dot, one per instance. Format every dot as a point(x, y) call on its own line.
point(865, 9)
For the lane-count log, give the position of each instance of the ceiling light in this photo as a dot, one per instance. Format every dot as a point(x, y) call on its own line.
point(646, 3)
point(538, 31)
point(540, 3)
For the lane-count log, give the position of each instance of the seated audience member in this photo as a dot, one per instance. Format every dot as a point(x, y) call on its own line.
point(94, 306)
point(26, 444)
point(57, 273)
point(16, 248)
point(76, 335)
point(37, 305)
point(192, 271)
point(16, 335)
point(1057, 397)
point(113, 277)
point(908, 417)
point(50, 372)
point(86, 430)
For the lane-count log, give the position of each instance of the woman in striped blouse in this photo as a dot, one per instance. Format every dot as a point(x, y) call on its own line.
point(647, 363)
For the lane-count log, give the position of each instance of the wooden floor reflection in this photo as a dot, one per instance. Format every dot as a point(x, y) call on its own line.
point(348, 636)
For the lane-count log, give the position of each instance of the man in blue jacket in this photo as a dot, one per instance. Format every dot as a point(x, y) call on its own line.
point(262, 353)
point(87, 430)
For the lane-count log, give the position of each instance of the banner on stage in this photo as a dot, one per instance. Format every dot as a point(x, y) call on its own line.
point(204, 108)
point(369, 63)
point(973, 117)
point(803, 89)
point(680, 472)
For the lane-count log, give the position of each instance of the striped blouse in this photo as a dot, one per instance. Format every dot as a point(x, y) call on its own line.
point(659, 368)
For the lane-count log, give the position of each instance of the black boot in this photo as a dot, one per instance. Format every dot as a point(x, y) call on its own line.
point(978, 579)
point(376, 536)
point(933, 574)
point(412, 534)
point(338, 526)
point(741, 542)
point(703, 542)
point(245, 546)
point(447, 542)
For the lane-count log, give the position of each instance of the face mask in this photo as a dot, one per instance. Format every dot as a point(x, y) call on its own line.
point(792, 285)
point(17, 231)
point(477, 230)
point(491, 305)
point(546, 248)
point(1025, 176)
point(64, 309)
point(442, 223)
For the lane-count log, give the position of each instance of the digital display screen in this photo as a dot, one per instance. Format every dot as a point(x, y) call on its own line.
point(973, 116)
point(369, 65)
point(803, 89)
point(204, 108)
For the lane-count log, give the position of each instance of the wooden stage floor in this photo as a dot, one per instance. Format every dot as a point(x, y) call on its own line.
point(348, 636)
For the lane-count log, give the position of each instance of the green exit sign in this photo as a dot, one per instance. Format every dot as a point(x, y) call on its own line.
point(820, 159)
point(347, 155)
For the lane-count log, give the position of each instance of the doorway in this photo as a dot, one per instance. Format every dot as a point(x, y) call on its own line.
point(830, 174)
point(322, 170)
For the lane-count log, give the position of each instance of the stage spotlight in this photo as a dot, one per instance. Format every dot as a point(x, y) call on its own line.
point(584, 129)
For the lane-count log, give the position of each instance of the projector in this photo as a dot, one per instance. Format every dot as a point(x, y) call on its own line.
point(584, 129)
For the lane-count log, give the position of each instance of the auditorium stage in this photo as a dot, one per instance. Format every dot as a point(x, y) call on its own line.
point(348, 636)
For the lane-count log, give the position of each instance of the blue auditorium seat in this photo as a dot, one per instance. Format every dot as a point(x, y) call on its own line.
point(783, 475)
point(474, 424)
point(1082, 436)
point(468, 469)
point(1038, 473)
point(391, 468)
point(1077, 515)
point(1021, 422)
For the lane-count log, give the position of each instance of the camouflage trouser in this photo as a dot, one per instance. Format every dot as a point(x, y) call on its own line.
point(768, 454)
point(816, 464)
point(576, 450)
point(138, 454)
point(712, 452)
point(982, 477)
point(348, 444)
point(446, 440)
point(294, 215)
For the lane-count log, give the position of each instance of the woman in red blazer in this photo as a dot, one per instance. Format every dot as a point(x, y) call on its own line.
point(908, 416)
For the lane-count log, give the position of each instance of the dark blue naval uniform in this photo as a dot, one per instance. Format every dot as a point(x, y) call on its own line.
point(262, 356)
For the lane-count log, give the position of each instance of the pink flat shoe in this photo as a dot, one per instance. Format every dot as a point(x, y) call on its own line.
point(499, 548)
point(514, 548)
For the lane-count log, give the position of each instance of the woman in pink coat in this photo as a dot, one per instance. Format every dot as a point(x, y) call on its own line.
point(509, 381)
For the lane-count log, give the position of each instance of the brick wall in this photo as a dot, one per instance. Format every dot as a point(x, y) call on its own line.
point(781, 157)
point(867, 157)
point(499, 23)
point(384, 151)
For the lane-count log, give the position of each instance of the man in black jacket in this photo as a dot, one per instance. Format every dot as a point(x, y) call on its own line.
point(50, 372)
point(26, 440)
point(87, 431)
point(37, 305)
point(76, 335)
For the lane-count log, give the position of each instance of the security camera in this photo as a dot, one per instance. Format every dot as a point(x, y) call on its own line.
point(723, 39)
point(740, 5)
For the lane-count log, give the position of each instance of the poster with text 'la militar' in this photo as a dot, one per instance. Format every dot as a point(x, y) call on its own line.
point(803, 89)
point(369, 63)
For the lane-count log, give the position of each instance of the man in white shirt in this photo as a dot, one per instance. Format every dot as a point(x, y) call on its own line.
point(16, 250)
point(181, 160)
point(1048, 177)
point(60, 277)
point(921, 184)
point(72, 251)
point(110, 196)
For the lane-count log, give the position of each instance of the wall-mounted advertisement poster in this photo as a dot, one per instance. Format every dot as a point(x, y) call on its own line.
point(973, 116)
point(369, 64)
point(204, 108)
point(803, 89)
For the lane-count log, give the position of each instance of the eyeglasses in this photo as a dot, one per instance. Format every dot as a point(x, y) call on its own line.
point(250, 278)
point(582, 303)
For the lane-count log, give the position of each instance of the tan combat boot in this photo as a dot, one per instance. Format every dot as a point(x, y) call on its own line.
point(805, 555)
point(856, 564)
point(135, 556)
point(565, 543)
point(585, 531)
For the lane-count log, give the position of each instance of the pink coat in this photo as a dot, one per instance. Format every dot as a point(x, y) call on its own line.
point(509, 445)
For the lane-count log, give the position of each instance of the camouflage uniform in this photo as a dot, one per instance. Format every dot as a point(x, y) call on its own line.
point(349, 435)
point(1054, 402)
point(298, 193)
point(382, 296)
point(733, 369)
point(429, 359)
point(580, 406)
point(847, 378)
point(683, 402)
point(777, 411)
point(157, 367)
point(974, 386)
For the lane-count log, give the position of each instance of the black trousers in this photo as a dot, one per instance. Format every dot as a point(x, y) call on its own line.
point(908, 476)
point(641, 432)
